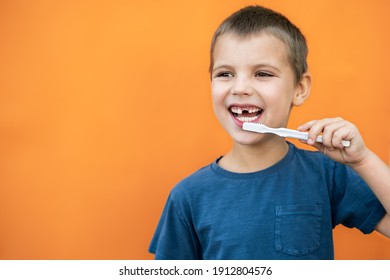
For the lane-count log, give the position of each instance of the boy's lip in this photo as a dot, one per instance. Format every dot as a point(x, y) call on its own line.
point(241, 113)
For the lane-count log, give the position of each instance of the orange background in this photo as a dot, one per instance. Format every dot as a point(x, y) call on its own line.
point(105, 106)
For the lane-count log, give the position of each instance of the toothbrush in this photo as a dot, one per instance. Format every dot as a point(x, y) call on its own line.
point(283, 132)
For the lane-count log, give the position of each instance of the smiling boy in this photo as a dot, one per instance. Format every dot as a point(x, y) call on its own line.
point(267, 199)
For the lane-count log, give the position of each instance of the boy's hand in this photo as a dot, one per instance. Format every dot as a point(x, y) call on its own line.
point(334, 130)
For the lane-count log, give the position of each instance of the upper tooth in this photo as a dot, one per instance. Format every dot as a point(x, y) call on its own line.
point(236, 110)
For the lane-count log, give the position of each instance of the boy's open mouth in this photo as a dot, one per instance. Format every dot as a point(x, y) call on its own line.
point(246, 113)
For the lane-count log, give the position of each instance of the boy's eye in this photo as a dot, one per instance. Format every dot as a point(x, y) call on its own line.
point(224, 75)
point(263, 74)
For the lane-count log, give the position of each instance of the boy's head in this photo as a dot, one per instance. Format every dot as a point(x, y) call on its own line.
point(258, 72)
point(254, 20)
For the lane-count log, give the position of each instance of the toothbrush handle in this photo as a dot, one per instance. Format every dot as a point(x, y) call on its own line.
point(304, 136)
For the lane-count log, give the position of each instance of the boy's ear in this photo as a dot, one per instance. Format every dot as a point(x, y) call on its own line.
point(302, 90)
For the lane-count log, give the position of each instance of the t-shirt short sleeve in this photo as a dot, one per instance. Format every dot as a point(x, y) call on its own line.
point(174, 237)
point(354, 204)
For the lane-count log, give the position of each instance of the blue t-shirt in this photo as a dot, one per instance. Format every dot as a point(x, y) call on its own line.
point(286, 211)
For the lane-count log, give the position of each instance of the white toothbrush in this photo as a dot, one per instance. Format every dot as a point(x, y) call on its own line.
point(283, 132)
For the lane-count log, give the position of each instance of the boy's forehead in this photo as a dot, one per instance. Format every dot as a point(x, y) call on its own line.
point(251, 41)
point(257, 46)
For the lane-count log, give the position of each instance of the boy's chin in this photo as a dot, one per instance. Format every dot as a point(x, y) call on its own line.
point(247, 140)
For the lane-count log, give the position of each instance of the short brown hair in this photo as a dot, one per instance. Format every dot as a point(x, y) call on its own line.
point(256, 19)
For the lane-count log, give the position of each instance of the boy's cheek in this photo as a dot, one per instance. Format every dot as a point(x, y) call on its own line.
point(217, 98)
point(217, 86)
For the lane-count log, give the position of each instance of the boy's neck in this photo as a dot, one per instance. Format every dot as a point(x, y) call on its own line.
point(246, 159)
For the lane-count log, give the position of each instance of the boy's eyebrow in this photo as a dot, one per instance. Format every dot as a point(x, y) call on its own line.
point(259, 65)
point(220, 67)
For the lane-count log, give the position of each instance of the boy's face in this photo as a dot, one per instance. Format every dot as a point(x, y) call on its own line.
point(252, 81)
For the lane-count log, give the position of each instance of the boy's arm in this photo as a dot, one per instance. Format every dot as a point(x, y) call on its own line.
point(368, 165)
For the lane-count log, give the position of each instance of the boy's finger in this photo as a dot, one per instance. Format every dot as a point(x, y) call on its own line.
point(318, 127)
point(306, 126)
point(333, 133)
point(310, 124)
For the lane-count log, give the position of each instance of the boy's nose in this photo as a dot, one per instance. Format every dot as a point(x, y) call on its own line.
point(242, 86)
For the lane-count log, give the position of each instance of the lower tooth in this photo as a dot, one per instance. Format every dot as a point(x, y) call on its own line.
point(247, 119)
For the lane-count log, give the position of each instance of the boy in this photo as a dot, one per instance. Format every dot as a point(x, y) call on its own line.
point(267, 199)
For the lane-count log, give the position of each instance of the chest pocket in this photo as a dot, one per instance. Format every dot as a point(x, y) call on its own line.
point(298, 229)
